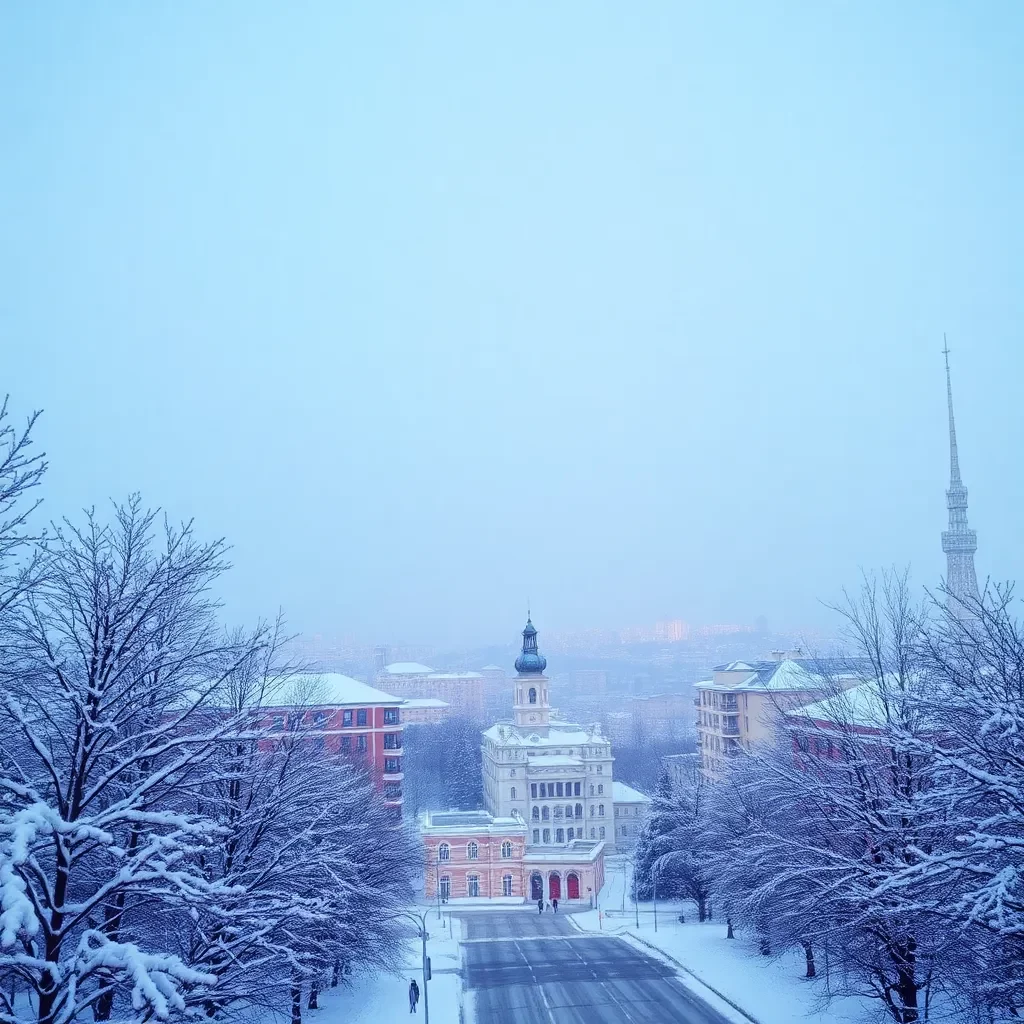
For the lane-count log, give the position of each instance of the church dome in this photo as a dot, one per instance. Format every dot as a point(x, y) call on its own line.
point(530, 661)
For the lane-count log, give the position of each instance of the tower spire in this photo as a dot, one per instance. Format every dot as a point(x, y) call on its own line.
point(959, 542)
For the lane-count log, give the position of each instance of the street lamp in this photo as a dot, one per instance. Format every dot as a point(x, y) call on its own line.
point(421, 927)
point(655, 866)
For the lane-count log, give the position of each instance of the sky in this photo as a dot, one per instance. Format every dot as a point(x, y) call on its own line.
point(630, 311)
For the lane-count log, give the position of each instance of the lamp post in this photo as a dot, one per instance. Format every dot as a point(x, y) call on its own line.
point(421, 927)
point(655, 896)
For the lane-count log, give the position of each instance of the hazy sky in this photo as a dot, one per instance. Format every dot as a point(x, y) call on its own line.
point(632, 309)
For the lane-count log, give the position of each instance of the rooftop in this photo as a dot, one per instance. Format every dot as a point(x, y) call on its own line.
point(408, 668)
point(478, 822)
point(576, 851)
point(425, 702)
point(570, 735)
point(789, 674)
point(328, 689)
point(622, 793)
point(858, 706)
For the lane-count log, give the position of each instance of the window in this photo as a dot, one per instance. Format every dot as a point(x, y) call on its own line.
point(545, 813)
point(558, 811)
point(506, 885)
point(591, 789)
point(625, 830)
point(444, 852)
point(346, 717)
point(568, 810)
point(318, 743)
point(593, 834)
point(547, 835)
point(392, 765)
point(533, 695)
point(575, 789)
point(278, 723)
point(392, 741)
point(512, 793)
point(593, 810)
point(361, 716)
point(636, 810)
point(319, 719)
point(512, 773)
point(558, 789)
point(560, 835)
point(392, 790)
point(346, 742)
point(391, 716)
point(361, 742)
point(535, 813)
point(600, 769)
point(506, 849)
point(536, 833)
point(568, 833)
point(600, 832)
point(600, 790)
point(472, 851)
point(473, 885)
point(446, 887)
point(579, 810)
point(294, 719)
point(600, 810)
point(533, 790)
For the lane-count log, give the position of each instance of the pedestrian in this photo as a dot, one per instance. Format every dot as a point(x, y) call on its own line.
point(414, 995)
point(554, 905)
point(540, 906)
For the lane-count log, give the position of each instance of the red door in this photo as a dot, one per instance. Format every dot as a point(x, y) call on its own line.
point(572, 884)
point(554, 888)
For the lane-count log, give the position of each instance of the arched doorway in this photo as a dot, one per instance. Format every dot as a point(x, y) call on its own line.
point(536, 886)
point(572, 886)
point(554, 887)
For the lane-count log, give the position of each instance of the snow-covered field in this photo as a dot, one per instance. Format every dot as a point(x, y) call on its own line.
point(771, 990)
point(384, 998)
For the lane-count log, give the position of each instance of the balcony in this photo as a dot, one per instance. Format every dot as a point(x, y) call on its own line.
point(730, 730)
point(728, 704)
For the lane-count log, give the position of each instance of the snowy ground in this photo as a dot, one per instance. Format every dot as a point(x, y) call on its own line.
point(769, 990)
point(384, 998)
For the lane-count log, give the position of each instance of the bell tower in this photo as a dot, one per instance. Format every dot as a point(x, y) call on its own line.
point(531, 704)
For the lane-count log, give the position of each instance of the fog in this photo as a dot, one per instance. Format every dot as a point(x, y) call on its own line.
point(435, 309)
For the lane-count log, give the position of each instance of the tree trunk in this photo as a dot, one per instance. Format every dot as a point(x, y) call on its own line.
point(335, 974)
point(296, 1003)
point(314, 991)
point(809, 957)
point(701, 909)
point(729, 932)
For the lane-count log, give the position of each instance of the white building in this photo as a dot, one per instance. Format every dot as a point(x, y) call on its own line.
point(557, 776)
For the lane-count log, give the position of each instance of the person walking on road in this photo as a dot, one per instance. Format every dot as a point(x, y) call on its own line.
point(414, 995)
point(554, 905)
point(540, 906)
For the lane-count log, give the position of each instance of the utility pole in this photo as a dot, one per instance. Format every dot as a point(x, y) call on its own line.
point(655, 897)
point(421, 928)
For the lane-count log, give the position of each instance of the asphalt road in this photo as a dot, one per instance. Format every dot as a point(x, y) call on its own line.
point(537, 969)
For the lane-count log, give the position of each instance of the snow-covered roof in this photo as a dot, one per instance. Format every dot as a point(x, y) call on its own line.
point(408, 668)
point(425, 702)
point(521, 736)
point(859, 705)
point(468, 822)
point(579, 850)
point(737, 666)
point(784, 675)
point(329, 688)
point(621, 793)
point(555, 761)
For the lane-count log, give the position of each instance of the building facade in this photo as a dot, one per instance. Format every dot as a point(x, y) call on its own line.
point(555, 775)
point(631, 810)
point(341, 715)
point(424, 711)
point(473, 855)
point(462, 691)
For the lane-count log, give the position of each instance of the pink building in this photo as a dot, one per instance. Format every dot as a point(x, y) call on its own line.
point(473, 855)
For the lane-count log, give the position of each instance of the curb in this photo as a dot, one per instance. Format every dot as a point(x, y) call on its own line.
point(668, 956)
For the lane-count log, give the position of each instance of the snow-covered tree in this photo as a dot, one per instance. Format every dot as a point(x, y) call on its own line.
point(652, 871)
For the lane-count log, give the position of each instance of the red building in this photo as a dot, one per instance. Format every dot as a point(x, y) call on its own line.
point(344, 716)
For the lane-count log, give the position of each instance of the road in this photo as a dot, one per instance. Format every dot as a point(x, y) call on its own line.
point(538, 969)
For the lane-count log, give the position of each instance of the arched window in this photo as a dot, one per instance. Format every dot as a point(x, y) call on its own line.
point(535, 813)
point(569, 833)
point(591, 789)
point(533, 694)
point(568, 810)
point(473, 851)
point(558, 811)
point(444, 852)
point(547, 835)
point(601, 831)
point(560, 835)
point(446, 887)
point(511, 773)
point(512, 793)
point(506, 885)
point(579, 810)
point(600, 811)
point(473, 885)
point(600, 790)
point(506, 849)
point(592, 810)
point(545, 813)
